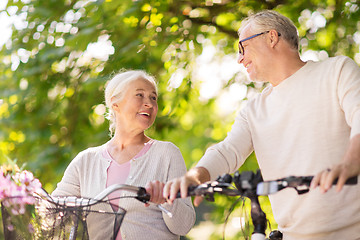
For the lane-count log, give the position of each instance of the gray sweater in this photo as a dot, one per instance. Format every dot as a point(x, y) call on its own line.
point(86, 176)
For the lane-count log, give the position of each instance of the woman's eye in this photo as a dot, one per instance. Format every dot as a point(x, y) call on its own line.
point(139, 94)
point(154, 98)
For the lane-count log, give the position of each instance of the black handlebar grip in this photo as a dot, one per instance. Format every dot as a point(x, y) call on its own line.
point(225, 178)
point(190, 191)
point(349, 181)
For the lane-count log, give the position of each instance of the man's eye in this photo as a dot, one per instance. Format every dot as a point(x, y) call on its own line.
point(139, 94)
point(154, 98)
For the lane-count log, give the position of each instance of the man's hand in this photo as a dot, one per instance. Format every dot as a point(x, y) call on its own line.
point(349, 167)
point(194, 177)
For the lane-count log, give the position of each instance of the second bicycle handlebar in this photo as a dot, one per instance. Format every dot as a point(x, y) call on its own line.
point(251, 185)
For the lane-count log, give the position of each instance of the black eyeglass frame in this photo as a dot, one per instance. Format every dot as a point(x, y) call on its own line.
point(241, 47)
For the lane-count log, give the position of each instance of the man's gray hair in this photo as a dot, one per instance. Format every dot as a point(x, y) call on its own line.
point(271, 20)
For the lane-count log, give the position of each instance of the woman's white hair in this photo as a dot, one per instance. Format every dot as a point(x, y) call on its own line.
point(117, 86)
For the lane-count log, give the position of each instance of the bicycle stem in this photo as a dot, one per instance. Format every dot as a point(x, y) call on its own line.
point(246, 183)
point(257, 215)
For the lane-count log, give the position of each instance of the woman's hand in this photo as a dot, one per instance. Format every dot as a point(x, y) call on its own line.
point(155, 190)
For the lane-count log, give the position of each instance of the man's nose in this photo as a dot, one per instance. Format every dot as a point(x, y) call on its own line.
point(240, 58)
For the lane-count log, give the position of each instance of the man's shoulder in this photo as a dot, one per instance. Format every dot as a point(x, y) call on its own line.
point(335, 66)
point(333, 61)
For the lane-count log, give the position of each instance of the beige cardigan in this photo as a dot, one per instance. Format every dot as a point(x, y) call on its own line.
point(86, 177)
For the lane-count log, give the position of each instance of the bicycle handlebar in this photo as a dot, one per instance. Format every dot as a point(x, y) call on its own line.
point(251, 185)
point(270, 187)
point(74, 201)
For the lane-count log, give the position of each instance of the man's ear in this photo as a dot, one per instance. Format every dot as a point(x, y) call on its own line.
point(274, 37)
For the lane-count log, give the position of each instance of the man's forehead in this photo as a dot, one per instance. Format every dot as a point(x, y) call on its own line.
point(245, 32)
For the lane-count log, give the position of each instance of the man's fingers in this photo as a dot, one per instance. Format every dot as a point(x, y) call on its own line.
point(323, 180)
point(170, 190)
point(184, 187)
point(315, 181)
point(166, 190)
point(198, 200)
point(175, 187)
point(330, 178)
point(343, 173)
point(341, 182)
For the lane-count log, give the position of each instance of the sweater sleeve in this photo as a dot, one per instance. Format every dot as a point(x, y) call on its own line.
point(70, 183)
point(182, 210)
point(349, 93)
point(228, 155)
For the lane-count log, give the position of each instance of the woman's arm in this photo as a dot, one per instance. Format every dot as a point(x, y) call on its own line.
point(69, 184)
point(183, 212)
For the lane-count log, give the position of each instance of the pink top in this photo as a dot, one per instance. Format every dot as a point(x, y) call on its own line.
point(118, 173)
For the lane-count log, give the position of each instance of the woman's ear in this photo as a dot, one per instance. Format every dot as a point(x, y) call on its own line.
point(115, 106)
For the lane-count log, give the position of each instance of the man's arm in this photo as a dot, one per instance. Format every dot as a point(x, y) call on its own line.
point(349, 167)
point(194, 176)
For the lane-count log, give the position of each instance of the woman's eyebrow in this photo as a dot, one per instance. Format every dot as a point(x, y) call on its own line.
point(140, 89)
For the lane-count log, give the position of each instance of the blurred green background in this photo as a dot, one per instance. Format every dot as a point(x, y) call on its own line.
point(56, 56)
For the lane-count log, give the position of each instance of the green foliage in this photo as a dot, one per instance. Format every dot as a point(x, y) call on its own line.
point(52, 89)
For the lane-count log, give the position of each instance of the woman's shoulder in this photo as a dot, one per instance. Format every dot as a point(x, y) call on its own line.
point(91, 150)
point(165, 144)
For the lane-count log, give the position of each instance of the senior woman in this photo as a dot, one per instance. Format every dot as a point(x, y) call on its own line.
point(131, 157)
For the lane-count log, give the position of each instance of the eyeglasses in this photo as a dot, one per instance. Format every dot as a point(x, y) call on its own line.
point(241, 47)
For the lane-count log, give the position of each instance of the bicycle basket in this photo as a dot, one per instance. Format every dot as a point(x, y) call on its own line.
point(52, 220)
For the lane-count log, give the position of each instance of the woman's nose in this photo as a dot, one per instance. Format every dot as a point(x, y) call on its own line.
point(148, 103)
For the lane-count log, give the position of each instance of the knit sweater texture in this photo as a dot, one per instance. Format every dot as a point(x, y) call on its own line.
point(86, 177)
point(300, 127)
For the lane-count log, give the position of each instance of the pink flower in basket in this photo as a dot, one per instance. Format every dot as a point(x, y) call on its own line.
point(17, 191)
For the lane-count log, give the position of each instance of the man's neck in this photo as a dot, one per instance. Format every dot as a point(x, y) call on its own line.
point(285, 69)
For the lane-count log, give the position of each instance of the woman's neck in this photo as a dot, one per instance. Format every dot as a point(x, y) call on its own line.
point(124, 140)
point(122, 148)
